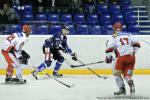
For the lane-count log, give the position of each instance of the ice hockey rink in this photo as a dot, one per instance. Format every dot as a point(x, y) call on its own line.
point(85, 87)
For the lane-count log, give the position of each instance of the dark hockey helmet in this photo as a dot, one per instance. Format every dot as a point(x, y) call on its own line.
point(65, 29)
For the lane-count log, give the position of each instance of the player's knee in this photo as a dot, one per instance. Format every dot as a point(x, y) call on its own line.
point(117, 72)
point(48, 63)
point(61, 60)
point(129, 73)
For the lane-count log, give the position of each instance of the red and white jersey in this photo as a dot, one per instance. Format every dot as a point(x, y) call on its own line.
point(14, 41)
point(122, 44)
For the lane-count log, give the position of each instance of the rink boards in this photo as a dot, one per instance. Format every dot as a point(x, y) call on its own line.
point(89, 48)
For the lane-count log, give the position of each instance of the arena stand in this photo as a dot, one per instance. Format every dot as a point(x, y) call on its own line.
point(94, 19)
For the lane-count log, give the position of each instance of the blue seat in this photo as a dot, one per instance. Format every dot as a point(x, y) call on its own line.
point(82, 29)
point(41, 17)
point(15, 7)
point(113, 9)
point(127, 8)
point(107, 29)
point(105, 19)
point(28, 17)
point(42, 29)
point(18, 9)
point(72, 30)
point(117, 18)
point(79, 19)
point(55, 29)
point(89, 8)
point(27, 9)
point(102, 8)
point(54, 18)
point(133, 28)
point(130, 20)
point(126, 14)
point(66, 18)
point(95, 30)
point(15, 28)
point(92, 19)
point(126, 2)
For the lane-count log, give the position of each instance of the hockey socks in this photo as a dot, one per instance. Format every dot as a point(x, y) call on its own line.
point(130, 82)
point(120, 85)
point(57, 67)
point(41, 67)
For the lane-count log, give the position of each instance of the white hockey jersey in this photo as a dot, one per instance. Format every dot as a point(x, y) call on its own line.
point(14, 41)
point(122, 43)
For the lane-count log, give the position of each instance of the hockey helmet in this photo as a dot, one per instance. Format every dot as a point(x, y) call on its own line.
point(117, 26)
point(65, 30)
point(26, 29)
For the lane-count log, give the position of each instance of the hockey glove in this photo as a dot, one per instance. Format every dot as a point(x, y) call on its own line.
point(74, 56)
point(25, 55)
point(108, 59)
point(62, 49)
point(23, 60)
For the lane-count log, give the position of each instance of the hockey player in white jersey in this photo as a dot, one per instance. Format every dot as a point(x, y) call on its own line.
point(14, 55)
point(125, 47)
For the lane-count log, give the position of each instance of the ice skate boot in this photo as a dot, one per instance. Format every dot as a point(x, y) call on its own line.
point(34, 74)
point(132, 87)
point(121, 91)
point(56, 74)
point(9, 79)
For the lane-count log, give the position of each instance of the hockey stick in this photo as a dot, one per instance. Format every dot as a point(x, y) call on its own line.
point(104, 77)
point(69, 86)
point(82, 64)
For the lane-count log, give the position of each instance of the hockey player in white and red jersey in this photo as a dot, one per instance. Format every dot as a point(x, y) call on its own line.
point(14, 55)
point(124, 45)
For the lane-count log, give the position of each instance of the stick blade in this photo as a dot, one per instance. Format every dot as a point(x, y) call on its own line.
point(72, 66)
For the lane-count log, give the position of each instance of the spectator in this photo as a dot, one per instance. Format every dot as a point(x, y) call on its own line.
point(2, 2)
point(101, 1)
point(89, 6)
point(76, 6)
point(23, 2)
point(8, 15)
point(88, 1)
point(114, 1)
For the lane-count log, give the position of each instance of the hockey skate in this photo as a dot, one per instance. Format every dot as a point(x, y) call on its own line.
point(132, 87)
point(56, 74)
point(132, 90)
point(9, 80)
point(34, 74)
point(121, 91)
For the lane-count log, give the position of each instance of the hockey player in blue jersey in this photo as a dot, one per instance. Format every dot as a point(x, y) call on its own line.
point(53, 46)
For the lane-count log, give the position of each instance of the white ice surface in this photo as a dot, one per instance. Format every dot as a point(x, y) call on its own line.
point(87, 87)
